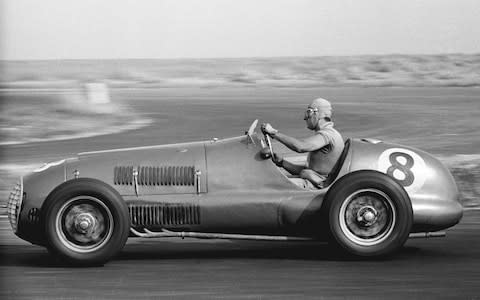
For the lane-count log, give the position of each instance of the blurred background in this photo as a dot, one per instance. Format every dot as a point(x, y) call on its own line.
point(87, 75)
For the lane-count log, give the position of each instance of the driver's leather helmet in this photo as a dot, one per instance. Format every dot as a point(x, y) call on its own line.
point(323, 106)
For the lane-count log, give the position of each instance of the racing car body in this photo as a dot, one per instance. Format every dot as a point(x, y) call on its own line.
point(84, 208)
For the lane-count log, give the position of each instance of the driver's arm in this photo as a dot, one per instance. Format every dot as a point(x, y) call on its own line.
point(307, 145)
point(292, 168)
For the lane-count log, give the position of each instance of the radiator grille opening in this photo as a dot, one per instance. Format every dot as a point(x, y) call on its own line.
point(14, 204)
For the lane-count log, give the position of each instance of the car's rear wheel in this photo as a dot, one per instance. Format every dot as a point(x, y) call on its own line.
point(368, 213)
point(86, 222)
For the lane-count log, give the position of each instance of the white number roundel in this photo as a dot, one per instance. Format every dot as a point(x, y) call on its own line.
point(406, 166)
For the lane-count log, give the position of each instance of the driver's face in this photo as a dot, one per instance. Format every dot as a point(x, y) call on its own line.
point(311, 118)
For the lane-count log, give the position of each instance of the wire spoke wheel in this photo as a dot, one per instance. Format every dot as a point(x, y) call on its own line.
point(367, 217)
point(84, 224)
point(368, 214)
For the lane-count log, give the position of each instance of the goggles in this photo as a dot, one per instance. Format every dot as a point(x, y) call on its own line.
point(309, 112)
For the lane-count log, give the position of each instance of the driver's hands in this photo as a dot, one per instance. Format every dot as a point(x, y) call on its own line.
point(268, 129)
point(277, 159)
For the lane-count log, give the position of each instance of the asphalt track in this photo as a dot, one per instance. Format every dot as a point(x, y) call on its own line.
point(174, 268)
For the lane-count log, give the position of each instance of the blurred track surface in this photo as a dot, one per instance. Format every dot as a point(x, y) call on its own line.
point(435, 268)
point(174, 268)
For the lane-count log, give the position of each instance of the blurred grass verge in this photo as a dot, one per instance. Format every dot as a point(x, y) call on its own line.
point(466, 171)
point(35, 117)
point(450, 70)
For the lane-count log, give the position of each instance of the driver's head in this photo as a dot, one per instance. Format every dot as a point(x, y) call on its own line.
point(320, 109)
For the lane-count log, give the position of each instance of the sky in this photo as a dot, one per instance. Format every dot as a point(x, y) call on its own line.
point(71, 29)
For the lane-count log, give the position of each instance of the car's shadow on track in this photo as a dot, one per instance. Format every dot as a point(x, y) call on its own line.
point(243, 249)
point(35, 256)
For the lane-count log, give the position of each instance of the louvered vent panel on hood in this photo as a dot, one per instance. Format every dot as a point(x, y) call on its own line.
point(165, 175)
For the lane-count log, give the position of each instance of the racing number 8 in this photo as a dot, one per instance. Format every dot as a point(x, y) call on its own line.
point(405, 168)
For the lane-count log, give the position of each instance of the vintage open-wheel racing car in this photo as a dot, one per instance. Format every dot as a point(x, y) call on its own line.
point(83, 209)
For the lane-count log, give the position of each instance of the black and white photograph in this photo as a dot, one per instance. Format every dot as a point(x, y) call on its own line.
point(221, 149)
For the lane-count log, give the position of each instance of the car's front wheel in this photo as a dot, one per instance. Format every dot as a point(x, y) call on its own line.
point(86, 222)
point(369, 214)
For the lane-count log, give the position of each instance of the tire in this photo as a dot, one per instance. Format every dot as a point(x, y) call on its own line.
point(86, 222)
point(369, 214)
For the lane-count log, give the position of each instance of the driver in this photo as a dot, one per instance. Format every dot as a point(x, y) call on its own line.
point(324, 147)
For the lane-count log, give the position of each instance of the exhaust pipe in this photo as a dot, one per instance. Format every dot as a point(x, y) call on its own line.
point(203, 235)
point(426, 235)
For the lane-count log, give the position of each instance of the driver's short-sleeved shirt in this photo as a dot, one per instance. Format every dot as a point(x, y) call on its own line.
point(324, 159)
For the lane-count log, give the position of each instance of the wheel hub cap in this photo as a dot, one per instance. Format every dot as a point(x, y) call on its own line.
point(366, 216)
point(84, 222)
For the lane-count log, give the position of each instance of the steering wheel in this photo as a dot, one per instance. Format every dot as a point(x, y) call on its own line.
point(268, 141)
point(252, 127)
